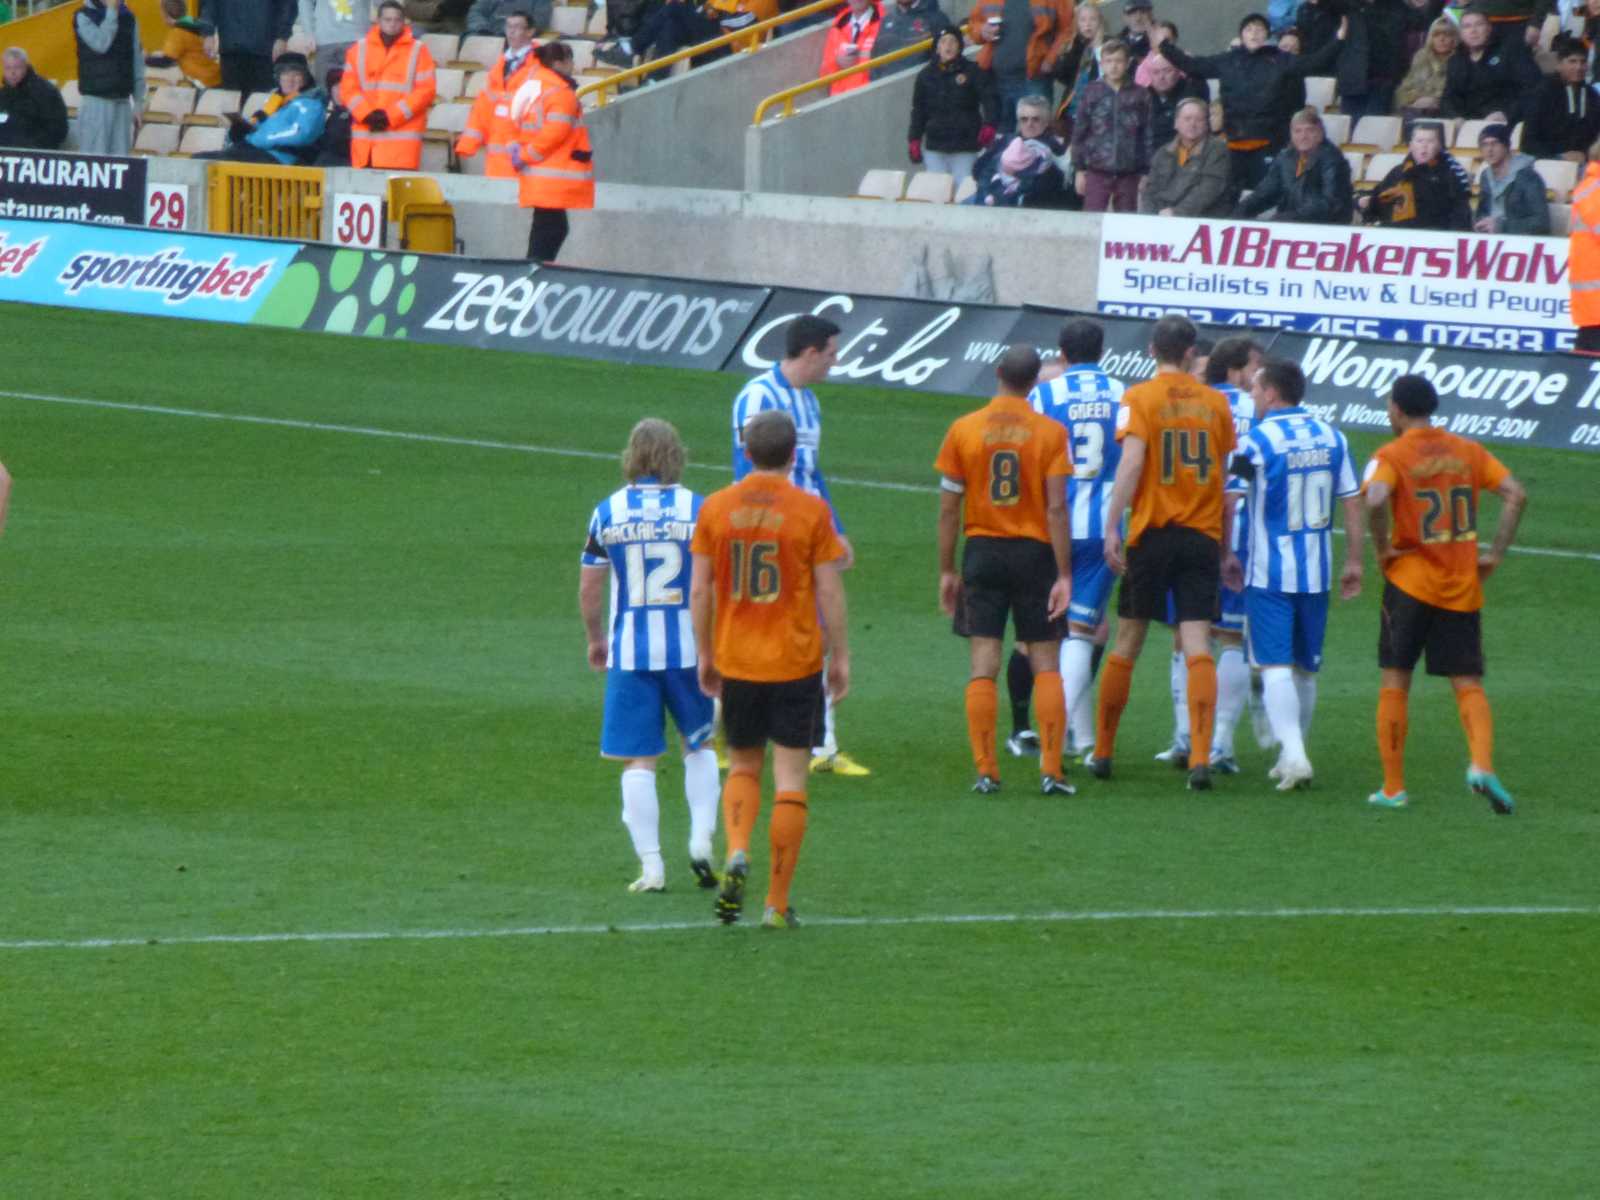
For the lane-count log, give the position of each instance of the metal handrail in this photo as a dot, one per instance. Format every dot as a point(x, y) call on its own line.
point(600, 87)
point(787, 96)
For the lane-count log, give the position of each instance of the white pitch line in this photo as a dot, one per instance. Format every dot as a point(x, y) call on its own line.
point(443, 439)
point(1058, 917)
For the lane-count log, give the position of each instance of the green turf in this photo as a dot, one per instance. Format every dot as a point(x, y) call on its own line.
point(269, 679)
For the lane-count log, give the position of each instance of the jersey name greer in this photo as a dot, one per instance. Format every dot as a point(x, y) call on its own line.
point(1090, 410)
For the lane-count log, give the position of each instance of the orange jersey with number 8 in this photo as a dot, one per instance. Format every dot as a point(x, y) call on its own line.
point(1001, 456)
point(764, 537)
point(1187, 430)
point(1434, 479)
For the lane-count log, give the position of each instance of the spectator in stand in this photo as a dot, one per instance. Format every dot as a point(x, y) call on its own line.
point(676, 25)
point(1421, 92)
point(1253, 76)
point(185, 46)
point(1583, 258)
point(1563, 117)
point(1514, 24)
point(248, 35)
point(1169, 87)
point(850, 40)
point(388, 86)
point(1291, 42)
point(624, 18)
point(1016, 37)
point(292, 134)
point(552, 154)
point(1078, 64)
point(33, 116)
point(328, 28)
point(1373, 59)
point(1024, 171)
point(1308, 183)
point(489, 123)
point(953, 109)
point(1189, 176)
point(1111, 137)
point(1510, 192)
point(1423, 192)
point(905, 23)
point(110, 77)
point(486, 18)
point(1138, 17)
point(1282, 14)
point(1141, 73)
point(334, 147)
point(1486, 80)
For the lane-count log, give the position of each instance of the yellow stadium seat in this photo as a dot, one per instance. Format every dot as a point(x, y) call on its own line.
point(427, 223)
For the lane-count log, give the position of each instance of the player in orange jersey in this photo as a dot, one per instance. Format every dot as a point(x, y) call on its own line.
point(767, 603)
point(1422, 501)
point(1176, 436)
point(1004, 475)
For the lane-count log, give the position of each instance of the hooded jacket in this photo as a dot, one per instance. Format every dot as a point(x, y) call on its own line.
point(1416, 196)
point(1561, 118)
point(1516, 200)
point(951, 102)
point(291, 134)
point(1111, 132)
point(839, 37)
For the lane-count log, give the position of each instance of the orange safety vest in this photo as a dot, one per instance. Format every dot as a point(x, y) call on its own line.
point(399, 80)
point(1583, 250)
point(557, 163)
point(490, 120)
point(839, 37)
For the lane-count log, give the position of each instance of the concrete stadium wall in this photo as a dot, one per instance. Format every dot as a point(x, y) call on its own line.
point(825, 148)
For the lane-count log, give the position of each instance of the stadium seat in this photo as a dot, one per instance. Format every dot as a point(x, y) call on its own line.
point(1467, 134)
point(442, 46)
point(1380, 165)
point(1516, 136)
point(479, 51)
point(168, 105)
point(448, 118)
point(214, 106)
point(569, 20)
point(582, 55)
point(255, 102)
point(1561, 219)
point(448, 83)
point(1560, 177)
point(425, 221)
point(157, 140)
point(930, 187)
point(881, 185)
point(1376, 133)
point(1337, 127)
point(71, 95)
point(1357, 161)
point(596, 28)
point(1216, 89)
point(475, 83)
point(201, 139)
point(1320, 91)
point(967, 189)
point(173, 76)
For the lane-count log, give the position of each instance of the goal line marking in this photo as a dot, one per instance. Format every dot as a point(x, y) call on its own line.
point(930, 919)
point(443, 439)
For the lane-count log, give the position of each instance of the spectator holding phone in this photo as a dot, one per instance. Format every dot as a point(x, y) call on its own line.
point(849, 43)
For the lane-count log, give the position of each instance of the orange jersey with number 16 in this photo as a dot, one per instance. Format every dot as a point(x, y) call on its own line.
point(1187, 430)
point(1001, 456)
point(1434, 479)
point(764, 536)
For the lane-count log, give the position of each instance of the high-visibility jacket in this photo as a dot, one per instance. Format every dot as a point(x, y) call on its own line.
point(839, 37)
point(557, 163)
point(1583, 250)
point(490, 123)
point(399, 80)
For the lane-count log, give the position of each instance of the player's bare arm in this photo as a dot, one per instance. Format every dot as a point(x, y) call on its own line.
point(1129, 472)
point(1377, 496)
point(1059, 521)
point(1355, 534)
point(5, 495)
point(1232, 568)
point(591, 605)
point(702, 604)
point(949, 532)
point(1513, 500)
point(829, 585)
point(849, 559)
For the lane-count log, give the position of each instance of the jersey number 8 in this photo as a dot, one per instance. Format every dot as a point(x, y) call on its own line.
point(1005, 478)
point(755, 571)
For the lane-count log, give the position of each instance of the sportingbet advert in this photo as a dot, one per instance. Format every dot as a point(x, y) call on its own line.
point(150, 272)
point(1470, 290)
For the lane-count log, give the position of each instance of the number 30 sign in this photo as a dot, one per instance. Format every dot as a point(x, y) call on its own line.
point(358, 221)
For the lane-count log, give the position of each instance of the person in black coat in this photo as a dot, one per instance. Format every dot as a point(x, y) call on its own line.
point(1488, 78)
point(1424, 191)
point(33, 116)
point(954, 109)
point(1563, 114)
point(1374, 58)
point(1309, 182)
point(1168, 89)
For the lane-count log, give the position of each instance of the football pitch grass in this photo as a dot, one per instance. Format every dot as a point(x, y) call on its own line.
point(313, 884)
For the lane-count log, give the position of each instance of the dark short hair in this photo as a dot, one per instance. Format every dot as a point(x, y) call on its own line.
point(1255, 19)
point(1414, 396)
point(552, 53)
point(524, 14)
point(1230, 354)
point(1284, 377)
point(1082, 340)
point(1018, 368)
point(808, 333)
point(1170, 26)
point(1173, 336)
point(1567, 46)
point(396, 4)
point(769, 439)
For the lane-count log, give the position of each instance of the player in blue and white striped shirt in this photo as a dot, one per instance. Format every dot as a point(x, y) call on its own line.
point(1296, 466)
point(811, 347)
point(1084, 399)
point(639, 539)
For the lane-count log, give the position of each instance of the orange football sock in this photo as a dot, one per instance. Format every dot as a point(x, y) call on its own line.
point(983, 703)
point(1392, 738)
point(788, 830)
point(741, 805)
point(1478, 721)
point(1202, 708)
point(1116, 676)
point(1050, 710)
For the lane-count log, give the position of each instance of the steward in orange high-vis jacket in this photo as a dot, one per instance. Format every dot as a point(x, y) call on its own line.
point(1583, 257)
point(490, 123)
point(388, 87)
point(554, 163)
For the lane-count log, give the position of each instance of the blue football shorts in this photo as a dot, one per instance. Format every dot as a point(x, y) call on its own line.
point(1092, 580)
point(1286, 627)
point(635, 724)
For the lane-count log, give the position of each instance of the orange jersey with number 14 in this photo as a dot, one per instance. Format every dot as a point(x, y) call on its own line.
point(1434, 479)
point(764, 537)
point(1187, 430)
point(1001, 456)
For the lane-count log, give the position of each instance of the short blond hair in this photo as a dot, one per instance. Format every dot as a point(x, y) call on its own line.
point(655, 451)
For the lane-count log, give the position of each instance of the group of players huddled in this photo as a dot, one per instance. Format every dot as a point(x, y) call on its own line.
point(1212, 501)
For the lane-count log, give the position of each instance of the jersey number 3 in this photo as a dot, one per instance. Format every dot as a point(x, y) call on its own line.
point(755, 574)
point(1005, 478)
point(1186, 448)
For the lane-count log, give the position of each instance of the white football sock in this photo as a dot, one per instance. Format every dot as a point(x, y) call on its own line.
point(830, 742)
point(1305, 685)
point(1180, 697)
point(641, 813)
point(703, 789)
point(1233, 693)
point(1077, 682)
point(1282, 701)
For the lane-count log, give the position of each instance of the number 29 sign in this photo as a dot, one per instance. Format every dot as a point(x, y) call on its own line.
point(358, 220)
